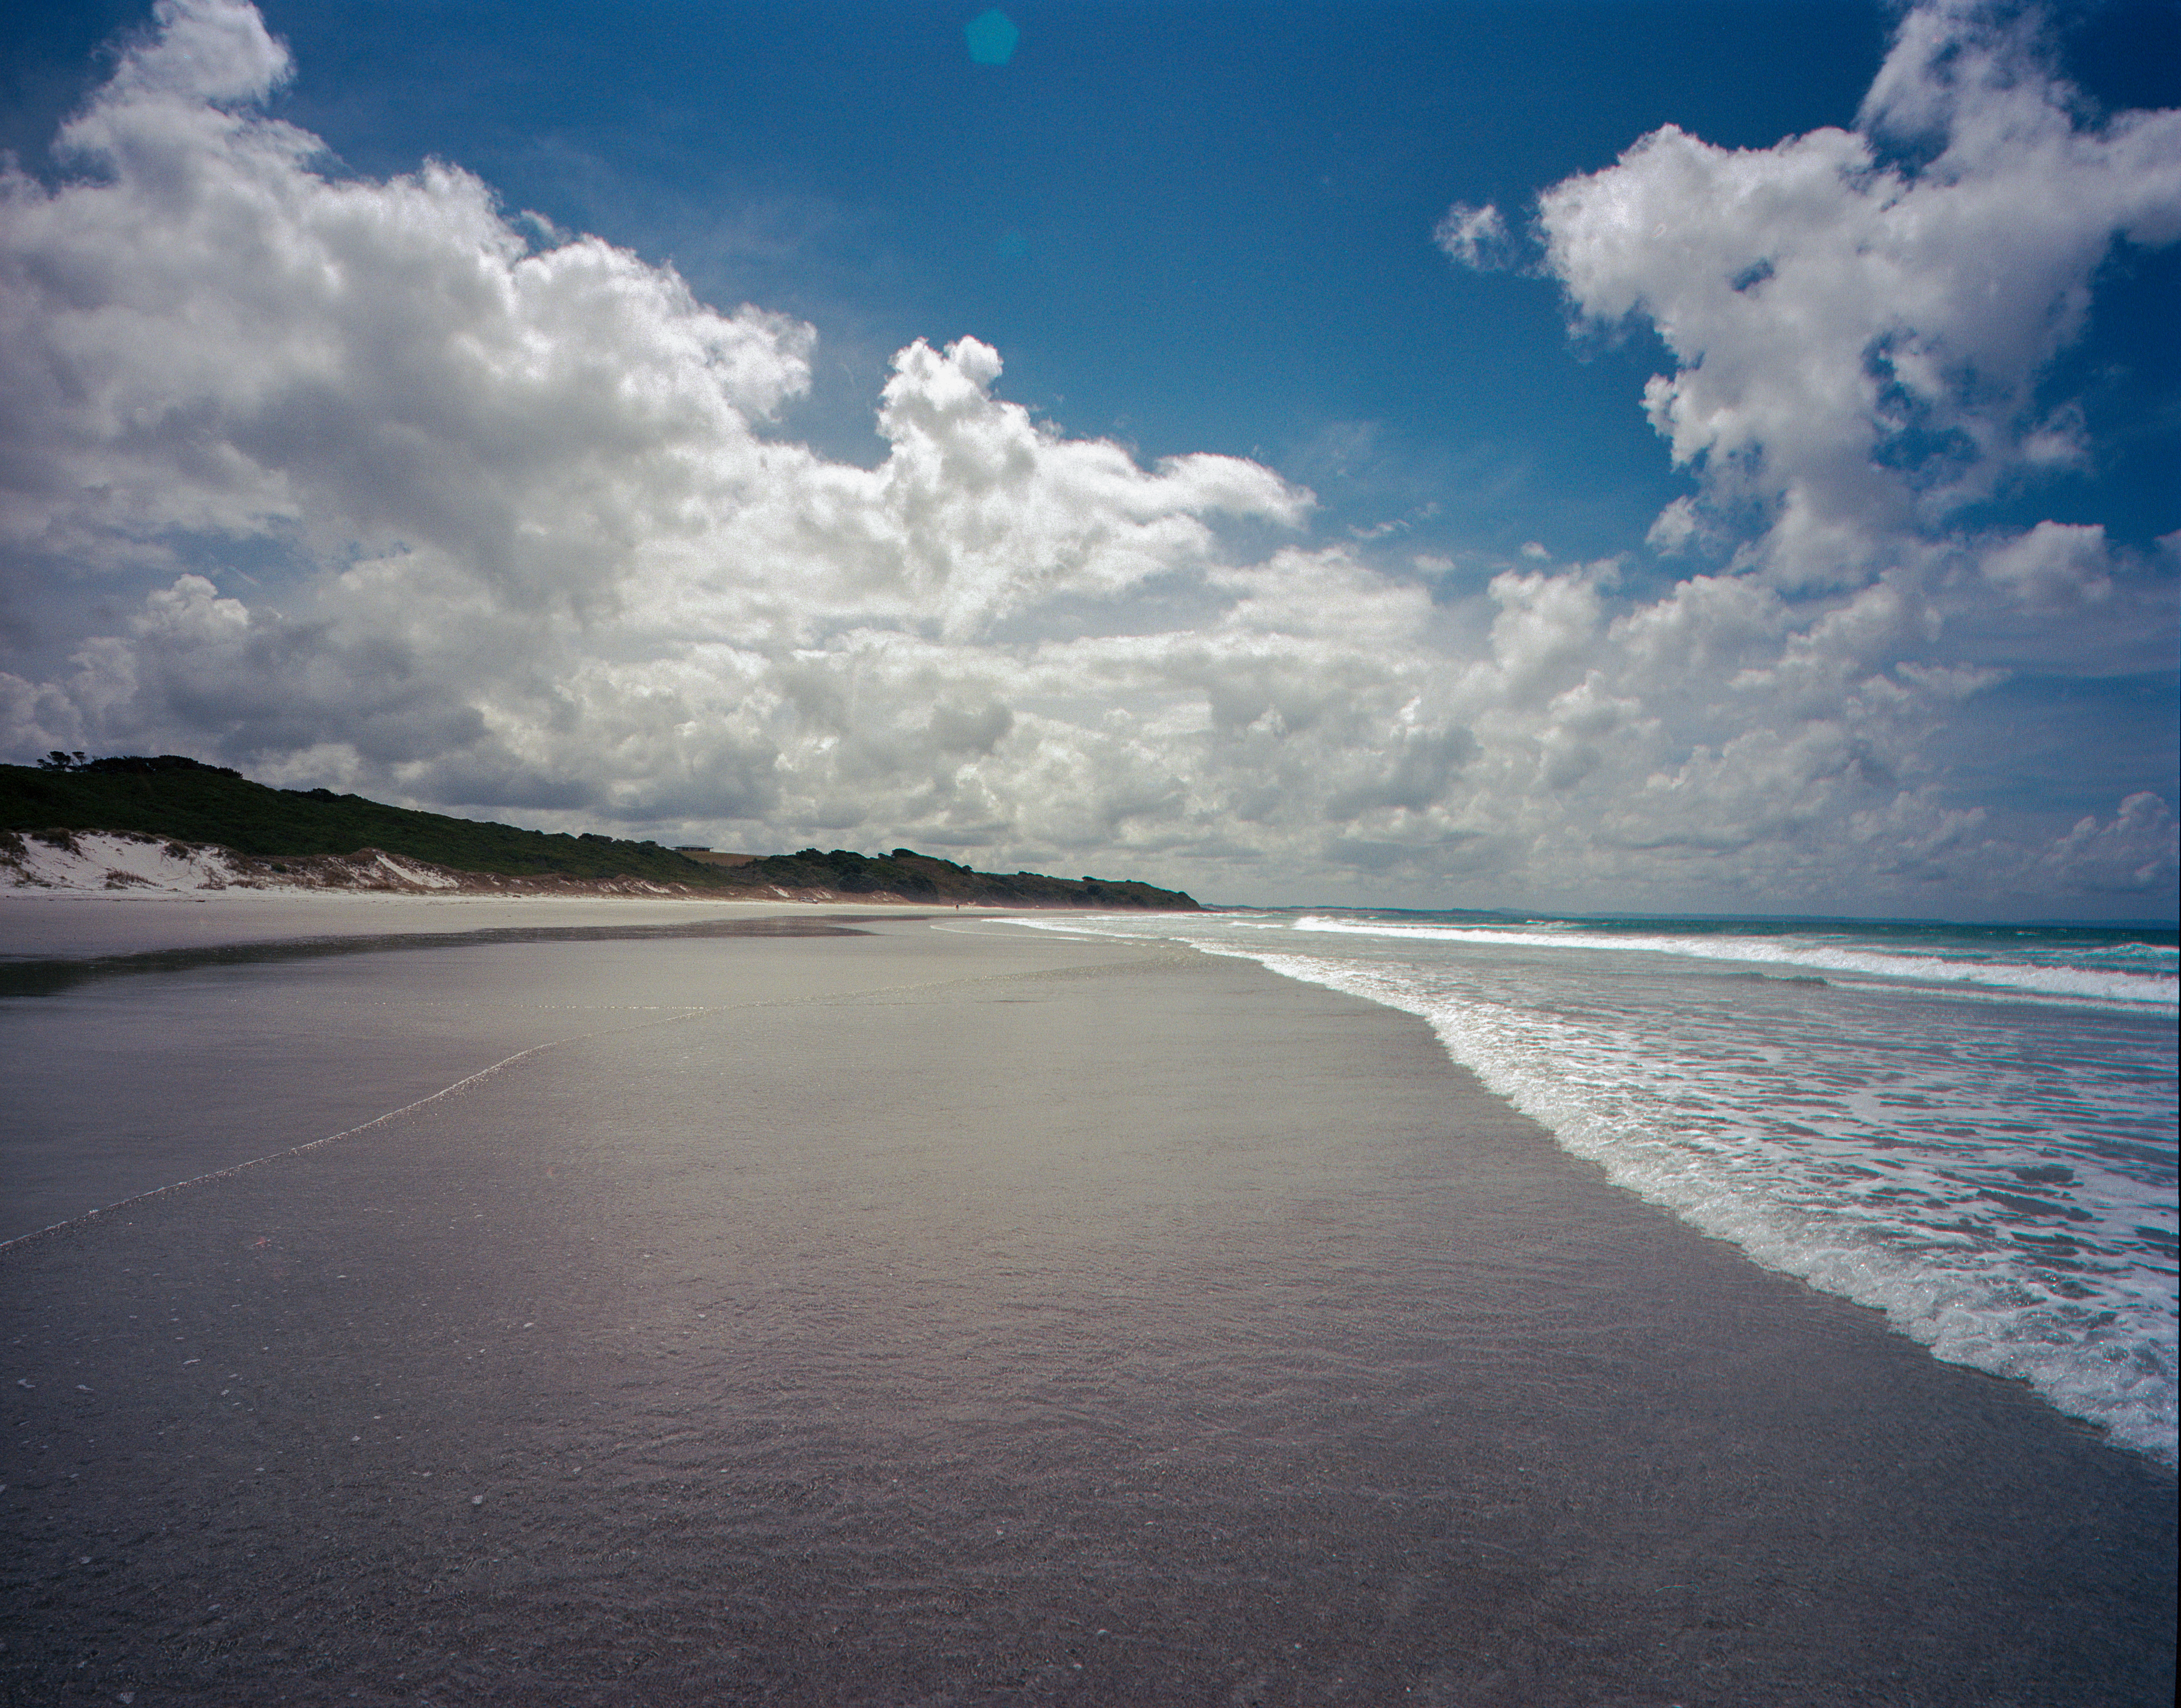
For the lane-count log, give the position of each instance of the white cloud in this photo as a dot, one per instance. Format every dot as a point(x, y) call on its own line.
point(1675, 527)
point(2054, 566)
point(2132, 855)
point(210, 52)
point(204, 335)
point(550, 554)
point(1858, 332)
point(1474, 237)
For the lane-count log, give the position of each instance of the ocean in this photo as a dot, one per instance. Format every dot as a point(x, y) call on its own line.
point(1970, 1128)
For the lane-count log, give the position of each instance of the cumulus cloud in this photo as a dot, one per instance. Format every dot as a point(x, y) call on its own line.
point(529, 537)
point(2132, 854)
point(203, 335)
point(1859, 318)
point(2054, 566)
point(1675, 528)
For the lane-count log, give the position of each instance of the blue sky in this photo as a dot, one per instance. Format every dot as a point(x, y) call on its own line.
point(1197, 232)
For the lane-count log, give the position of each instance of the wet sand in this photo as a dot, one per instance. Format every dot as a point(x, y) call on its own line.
point(954, 1316)
point(34, 924)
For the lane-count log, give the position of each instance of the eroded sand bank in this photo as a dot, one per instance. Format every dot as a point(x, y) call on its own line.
point(948, 1315)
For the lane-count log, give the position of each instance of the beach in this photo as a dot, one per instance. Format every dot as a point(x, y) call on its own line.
point(831, 1306)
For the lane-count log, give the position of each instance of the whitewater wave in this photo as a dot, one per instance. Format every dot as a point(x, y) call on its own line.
point(2079, 984)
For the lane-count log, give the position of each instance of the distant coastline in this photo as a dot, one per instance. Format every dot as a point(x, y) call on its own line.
point(171, 824)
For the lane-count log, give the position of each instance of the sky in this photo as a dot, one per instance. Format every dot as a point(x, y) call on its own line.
point(1627, 455)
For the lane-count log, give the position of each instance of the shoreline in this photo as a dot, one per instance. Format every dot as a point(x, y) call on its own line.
point(951, 1315)
point(65, 926)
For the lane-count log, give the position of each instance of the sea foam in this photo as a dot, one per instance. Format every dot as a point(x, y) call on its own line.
point(2154, 989)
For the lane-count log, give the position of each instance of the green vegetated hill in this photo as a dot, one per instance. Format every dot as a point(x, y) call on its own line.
point(187, 801)
point(924, 876)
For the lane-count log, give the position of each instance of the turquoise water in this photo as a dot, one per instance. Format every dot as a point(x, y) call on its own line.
point(1969, 1128)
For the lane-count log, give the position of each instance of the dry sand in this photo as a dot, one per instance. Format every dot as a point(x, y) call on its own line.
point(944, 1315)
